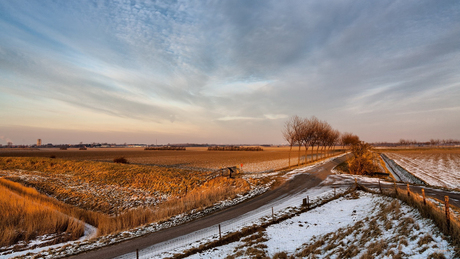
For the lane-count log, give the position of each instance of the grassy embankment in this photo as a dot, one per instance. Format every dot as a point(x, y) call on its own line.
point(24, 216)
point(450, 225)
point(186, 190)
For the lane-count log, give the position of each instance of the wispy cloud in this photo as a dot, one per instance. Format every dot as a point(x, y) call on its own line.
point(189, 63)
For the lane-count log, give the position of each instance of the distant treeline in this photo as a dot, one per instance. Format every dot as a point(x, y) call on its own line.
point(234, 148)
point(164, 148)
point(410, 142)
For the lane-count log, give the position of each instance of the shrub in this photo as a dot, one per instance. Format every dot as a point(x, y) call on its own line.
point(121, 160)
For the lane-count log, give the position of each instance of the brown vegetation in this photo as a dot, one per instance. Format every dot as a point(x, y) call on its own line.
point(166, 148)
point(120, 160)
point(363, 160)
point(24, 217)
point(449, 226)
point(234, 148)
point(193, 159)
point(185, 200)
point(85, 183)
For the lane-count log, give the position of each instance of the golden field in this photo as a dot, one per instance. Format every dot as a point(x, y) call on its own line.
point(194, 158)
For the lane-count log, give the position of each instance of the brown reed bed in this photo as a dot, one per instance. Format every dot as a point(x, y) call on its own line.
point(23, 218)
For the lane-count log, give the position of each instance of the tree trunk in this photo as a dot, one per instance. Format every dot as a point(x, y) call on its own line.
point(298, 160)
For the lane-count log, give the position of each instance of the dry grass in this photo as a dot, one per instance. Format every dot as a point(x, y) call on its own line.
point(98, 186)
point(23, 218)
point(430, 211)
point(193, 158)
point(206, 195)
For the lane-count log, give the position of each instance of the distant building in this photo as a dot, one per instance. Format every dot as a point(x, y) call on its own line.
point(39, 142)
point(10, 144)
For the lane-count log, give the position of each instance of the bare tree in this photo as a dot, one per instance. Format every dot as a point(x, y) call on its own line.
point(311, 133)
point(315, 134)
point(333, 138)
point(324, 134)
point(289, 136)
point(307, 133)
point(297, 125)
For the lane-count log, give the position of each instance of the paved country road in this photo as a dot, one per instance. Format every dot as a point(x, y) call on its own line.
point(296, 185)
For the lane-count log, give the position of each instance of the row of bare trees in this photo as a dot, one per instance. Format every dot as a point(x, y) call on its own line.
point(311, 133)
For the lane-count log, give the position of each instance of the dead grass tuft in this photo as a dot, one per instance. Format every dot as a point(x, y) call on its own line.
point(436, 256)
point(426, 239)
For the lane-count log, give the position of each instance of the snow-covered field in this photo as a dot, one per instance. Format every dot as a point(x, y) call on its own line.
point(353, 226)
point(436, 168)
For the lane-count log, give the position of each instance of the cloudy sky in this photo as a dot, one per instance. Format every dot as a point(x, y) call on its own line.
point(227, 71)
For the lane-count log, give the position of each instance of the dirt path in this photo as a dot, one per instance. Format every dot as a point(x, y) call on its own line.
point(297, 184)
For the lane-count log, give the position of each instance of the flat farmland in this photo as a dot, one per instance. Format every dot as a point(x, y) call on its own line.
point(197, 159)
point(437, 167)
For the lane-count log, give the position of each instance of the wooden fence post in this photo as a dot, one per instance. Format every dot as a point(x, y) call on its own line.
point(308, 202)
point(446, 204)
point(304, 202)
point(423, 194)
point(220, 233)
point(137, 253)
point(408, 191)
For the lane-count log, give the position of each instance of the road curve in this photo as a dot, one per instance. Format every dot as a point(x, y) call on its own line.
point(298, 184)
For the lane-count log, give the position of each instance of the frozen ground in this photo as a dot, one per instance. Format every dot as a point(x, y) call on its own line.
point(437, 169)
point(354, 226)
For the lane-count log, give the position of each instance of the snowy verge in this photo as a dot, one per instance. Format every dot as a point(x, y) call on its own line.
point(360, 225)
point(287, 207)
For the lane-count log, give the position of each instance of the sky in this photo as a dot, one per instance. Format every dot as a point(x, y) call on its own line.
point(227, 71)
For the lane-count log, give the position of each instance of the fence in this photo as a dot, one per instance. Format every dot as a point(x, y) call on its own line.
point(274, 210)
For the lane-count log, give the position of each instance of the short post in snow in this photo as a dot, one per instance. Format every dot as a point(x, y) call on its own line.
point(308, 202)
point(334, 191)
point(220, 233)
point(446, 203)
point(408, 190)
point(137, 253)
point(273, 215)
point(423, 195)
point(304, 202)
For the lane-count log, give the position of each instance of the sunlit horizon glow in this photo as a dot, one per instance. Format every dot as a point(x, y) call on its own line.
point(226, 71)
